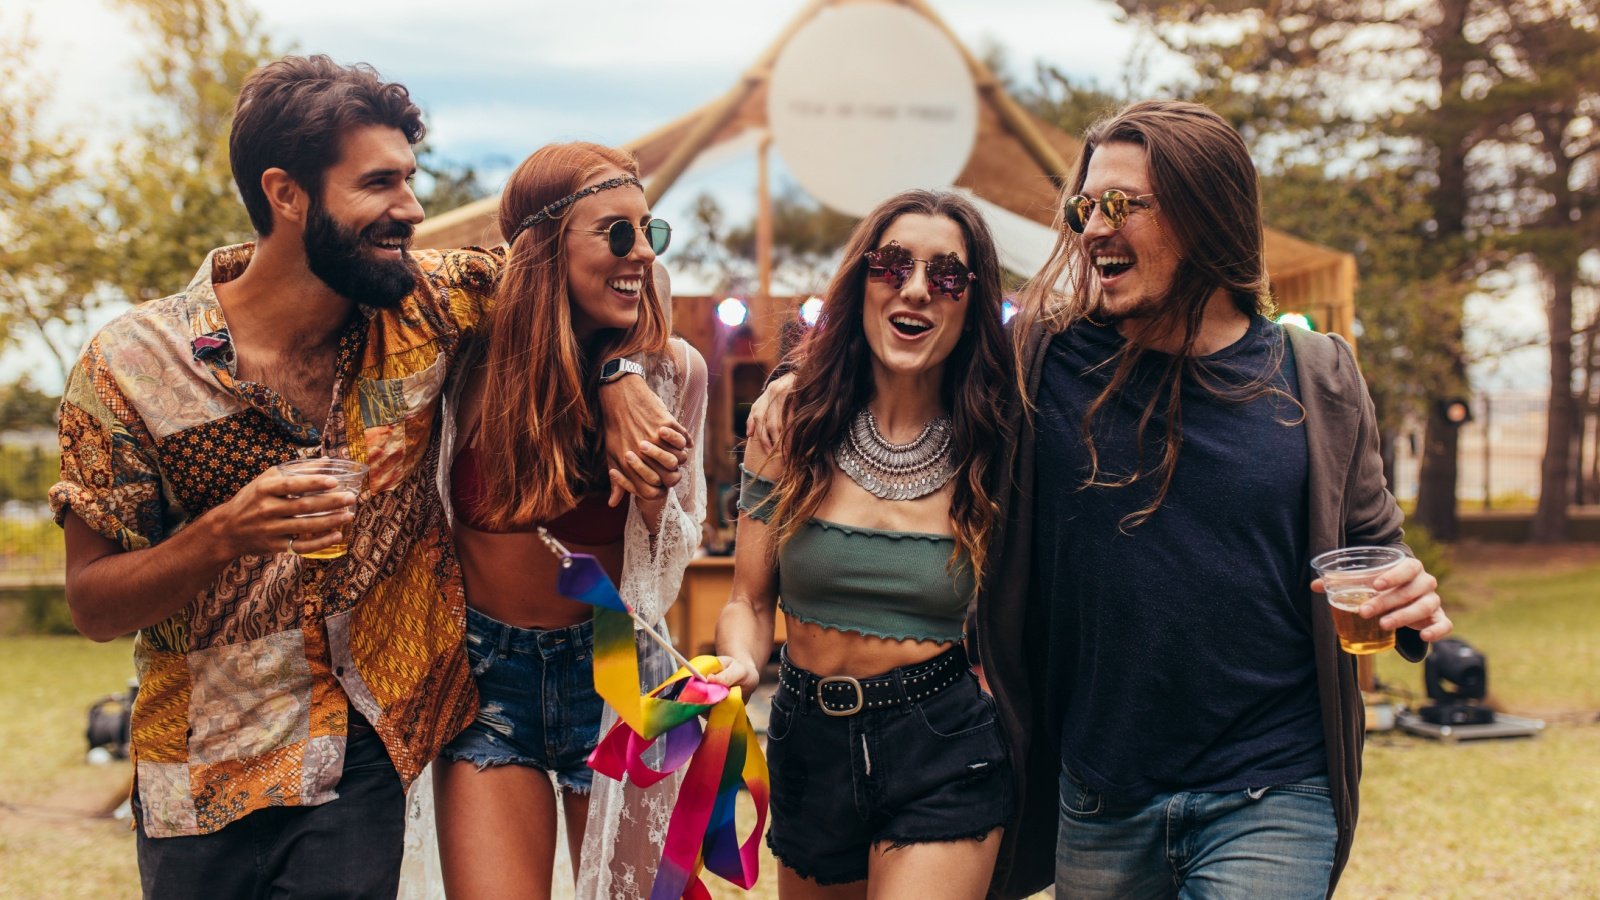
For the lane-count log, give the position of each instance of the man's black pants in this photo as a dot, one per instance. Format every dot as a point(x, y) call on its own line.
point(349, 847)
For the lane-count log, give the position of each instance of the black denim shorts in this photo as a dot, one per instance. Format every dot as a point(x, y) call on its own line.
point(918, 771)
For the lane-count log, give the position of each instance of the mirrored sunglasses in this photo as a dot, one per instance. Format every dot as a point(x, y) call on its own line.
point(620, 235)
point(893, 264)
point(1115, 205)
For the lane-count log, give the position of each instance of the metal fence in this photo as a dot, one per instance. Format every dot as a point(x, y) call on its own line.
point(31, 547)
point(1500, 453)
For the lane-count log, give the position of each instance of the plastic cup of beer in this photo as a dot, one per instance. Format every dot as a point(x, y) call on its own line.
point(1347, 578)
point(349, 474)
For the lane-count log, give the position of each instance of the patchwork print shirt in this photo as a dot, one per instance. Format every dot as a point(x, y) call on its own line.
point(244, 693)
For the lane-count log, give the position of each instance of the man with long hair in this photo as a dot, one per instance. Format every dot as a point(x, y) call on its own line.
point(1183, 720)
point(285, 700)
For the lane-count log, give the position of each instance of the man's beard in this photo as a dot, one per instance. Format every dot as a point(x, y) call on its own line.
point(1143, 306)
point(340, 257)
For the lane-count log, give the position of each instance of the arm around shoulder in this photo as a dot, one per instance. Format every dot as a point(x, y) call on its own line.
point(745, 630)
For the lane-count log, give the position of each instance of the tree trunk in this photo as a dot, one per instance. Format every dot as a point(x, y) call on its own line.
point(1550, 518)
point(1436, 485)
point(1436, 489)
point(1589, 416)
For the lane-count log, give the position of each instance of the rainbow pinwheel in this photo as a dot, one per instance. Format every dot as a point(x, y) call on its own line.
point(701, 832)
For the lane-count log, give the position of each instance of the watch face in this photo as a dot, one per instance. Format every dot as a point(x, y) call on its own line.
point(611, 368)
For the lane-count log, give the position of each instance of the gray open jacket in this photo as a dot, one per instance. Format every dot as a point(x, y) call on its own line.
point(1349, 504)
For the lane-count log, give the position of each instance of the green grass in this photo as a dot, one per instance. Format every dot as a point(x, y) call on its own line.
point(54, 839)
point(1503, 817)
point(1540, 634)
point(1489, 819)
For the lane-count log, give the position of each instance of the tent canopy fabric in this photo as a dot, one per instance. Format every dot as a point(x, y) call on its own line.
point(1009, 173)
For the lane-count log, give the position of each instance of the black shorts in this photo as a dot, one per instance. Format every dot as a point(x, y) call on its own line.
point(918, 770)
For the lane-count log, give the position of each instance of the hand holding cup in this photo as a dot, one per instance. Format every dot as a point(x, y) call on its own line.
point(334, 476)
point(1349, 575)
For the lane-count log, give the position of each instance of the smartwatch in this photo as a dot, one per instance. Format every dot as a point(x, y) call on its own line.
point(616, 368)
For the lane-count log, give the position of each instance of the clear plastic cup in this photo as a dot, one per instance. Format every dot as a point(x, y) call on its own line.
point(351, 476)
point(1347, 578)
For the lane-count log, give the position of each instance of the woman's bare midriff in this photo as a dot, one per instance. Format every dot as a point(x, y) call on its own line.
point(829, 651)
point(512, 577)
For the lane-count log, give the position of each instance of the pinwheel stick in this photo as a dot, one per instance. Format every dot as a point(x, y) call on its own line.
point(558, 549)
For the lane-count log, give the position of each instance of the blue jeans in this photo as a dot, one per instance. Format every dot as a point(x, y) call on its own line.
point(1275, 842)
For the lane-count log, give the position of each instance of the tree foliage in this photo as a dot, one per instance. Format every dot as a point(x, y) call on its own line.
point(806, 238)
point(52, 249)
point(446, 184)
point(1480, 111)
point(172, 193)
point(23, 407)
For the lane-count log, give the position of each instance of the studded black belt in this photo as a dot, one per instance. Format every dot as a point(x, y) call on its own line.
point(842, 695)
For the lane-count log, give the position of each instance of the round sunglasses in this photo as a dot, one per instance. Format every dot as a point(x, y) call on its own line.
point(621, 234)
point(893, 264)
point(1115, 205)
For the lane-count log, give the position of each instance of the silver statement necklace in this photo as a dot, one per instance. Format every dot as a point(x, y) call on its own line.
point(896, 471)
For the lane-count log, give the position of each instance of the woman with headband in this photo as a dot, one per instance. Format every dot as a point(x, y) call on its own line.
point(872, 518)
point(577, 305)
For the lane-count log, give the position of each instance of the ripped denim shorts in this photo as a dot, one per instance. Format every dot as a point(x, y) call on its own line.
point(537, 705)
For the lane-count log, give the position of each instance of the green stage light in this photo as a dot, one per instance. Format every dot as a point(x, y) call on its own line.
point(1294, 318)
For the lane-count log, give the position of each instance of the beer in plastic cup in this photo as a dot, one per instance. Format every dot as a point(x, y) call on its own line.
point(1347, 578)
point(350, 474)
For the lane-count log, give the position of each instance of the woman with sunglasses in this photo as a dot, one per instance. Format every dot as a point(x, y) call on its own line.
point(871, 518)
point(577, 304)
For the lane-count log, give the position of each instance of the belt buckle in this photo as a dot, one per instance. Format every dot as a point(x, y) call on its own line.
point(840, 679)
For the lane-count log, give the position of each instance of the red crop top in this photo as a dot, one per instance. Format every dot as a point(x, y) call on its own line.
point(591, 523)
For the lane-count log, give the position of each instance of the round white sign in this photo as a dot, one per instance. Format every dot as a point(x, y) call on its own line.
point(870, 99)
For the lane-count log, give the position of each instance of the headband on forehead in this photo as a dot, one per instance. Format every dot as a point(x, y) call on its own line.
point(564, 202)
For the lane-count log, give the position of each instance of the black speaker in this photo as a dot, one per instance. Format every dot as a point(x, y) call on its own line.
point(111, 722)
point(1457, 678)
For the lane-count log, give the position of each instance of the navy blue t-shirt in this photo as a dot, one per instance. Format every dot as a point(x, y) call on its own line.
point(1181, 653)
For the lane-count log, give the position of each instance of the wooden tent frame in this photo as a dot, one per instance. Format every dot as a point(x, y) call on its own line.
point(1018, 162)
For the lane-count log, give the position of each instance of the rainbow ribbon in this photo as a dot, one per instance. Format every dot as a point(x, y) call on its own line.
point(701, 833)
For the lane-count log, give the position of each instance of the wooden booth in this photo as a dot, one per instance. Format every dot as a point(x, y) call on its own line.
point(1018, 163)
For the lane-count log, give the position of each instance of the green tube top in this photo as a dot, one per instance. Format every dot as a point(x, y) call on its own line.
point(888, 584)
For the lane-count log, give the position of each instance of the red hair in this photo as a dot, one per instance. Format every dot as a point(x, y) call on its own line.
point(540, 423)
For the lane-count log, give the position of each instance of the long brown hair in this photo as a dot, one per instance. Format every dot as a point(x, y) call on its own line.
point(1208, 202)
point(833, 381)
point(539, 420)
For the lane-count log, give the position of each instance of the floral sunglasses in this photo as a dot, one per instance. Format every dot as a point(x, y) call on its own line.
point(893, 264)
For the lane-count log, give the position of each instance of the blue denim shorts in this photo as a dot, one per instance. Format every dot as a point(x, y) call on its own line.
point(537, 705)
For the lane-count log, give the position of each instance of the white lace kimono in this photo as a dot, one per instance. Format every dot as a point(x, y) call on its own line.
point(627, 825)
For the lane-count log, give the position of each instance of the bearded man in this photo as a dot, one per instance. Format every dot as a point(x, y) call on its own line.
point(285, 702)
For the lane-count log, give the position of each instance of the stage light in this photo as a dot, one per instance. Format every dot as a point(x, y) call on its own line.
point(732, 312)
point(1454, 411)
point(1008, 311)
point(811, 310)
point(1457, 679)
point(1294, 318)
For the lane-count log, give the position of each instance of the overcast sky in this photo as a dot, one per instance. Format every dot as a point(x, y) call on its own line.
point(498, 78)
